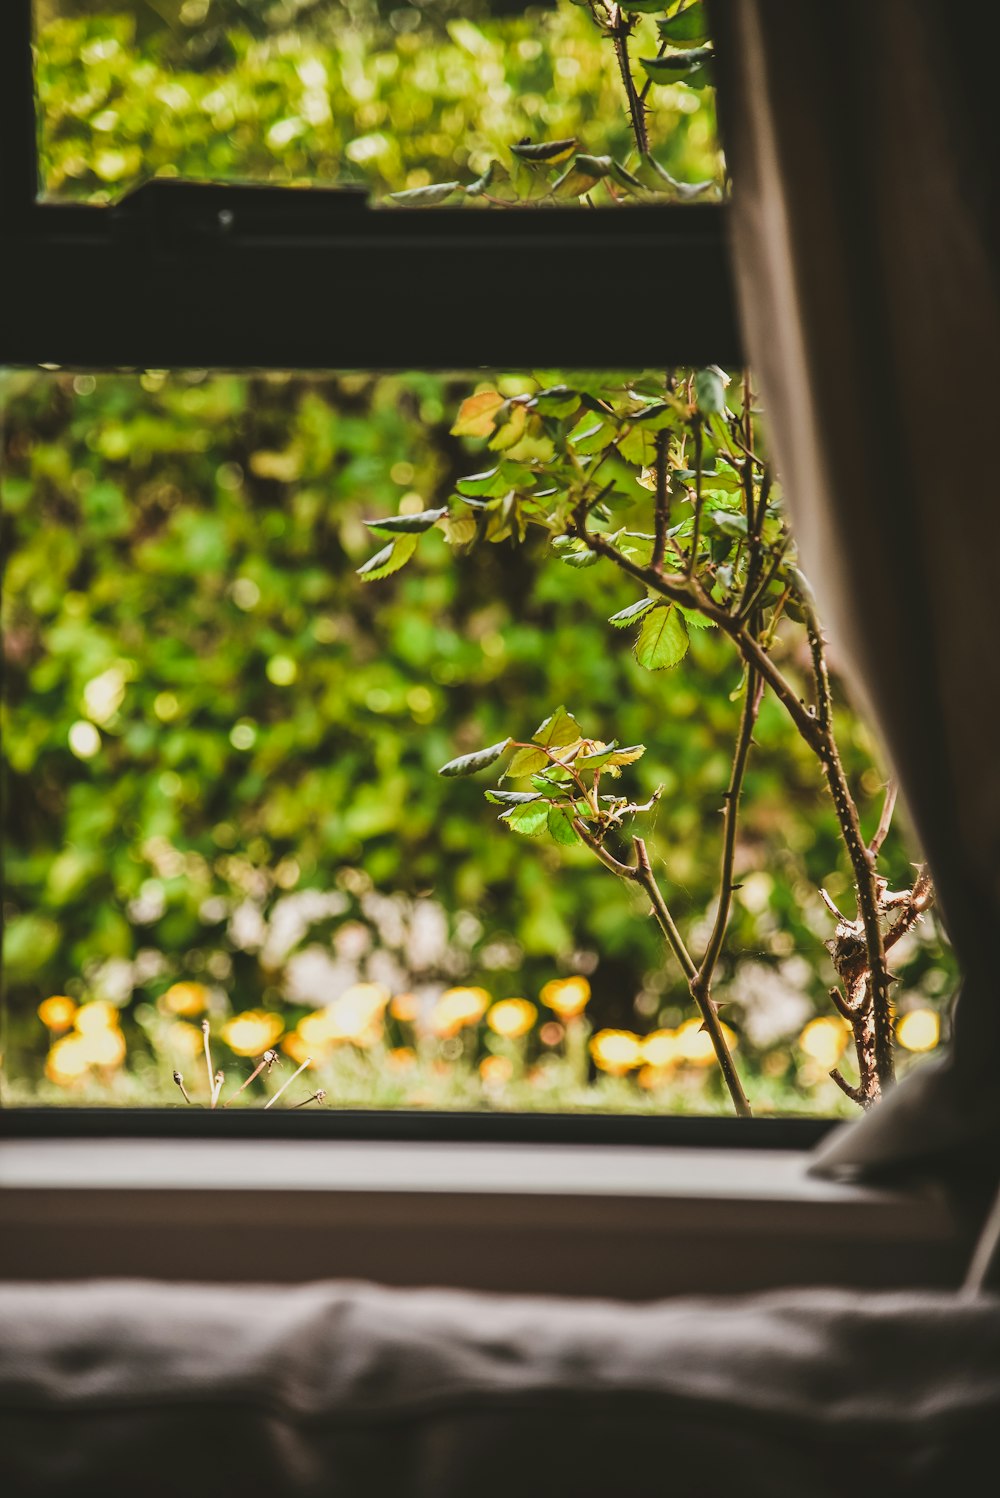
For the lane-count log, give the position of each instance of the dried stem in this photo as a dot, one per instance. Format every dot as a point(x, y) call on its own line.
point(180, 1083)
point(208, 1055)
point(268, 1059)
point(271, 1101)
point(885, 820)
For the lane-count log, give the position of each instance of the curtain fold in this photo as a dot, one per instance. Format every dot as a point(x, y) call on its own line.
point(861, 146)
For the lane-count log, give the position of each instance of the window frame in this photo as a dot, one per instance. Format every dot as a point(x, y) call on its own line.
point(82, 271)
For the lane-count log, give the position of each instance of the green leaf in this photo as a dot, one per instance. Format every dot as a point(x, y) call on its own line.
point(389, 559)
point(512, 798)
point(560, 825)
point(730, 523)
point(688, 25)
point(528, 820)
point(557, 730)
point(459, 531)
point(490, 482)
point(559, 400)
point(597, 758)
point(692, 68)
point(426, 197)
point(709, 392)
point(470, 764)
point(573, 551)
point(491, 174)
point(663, 639)
point(644, 7)
point(408, 524)
point(694, 620)
point(549, 151)
point(633, 612)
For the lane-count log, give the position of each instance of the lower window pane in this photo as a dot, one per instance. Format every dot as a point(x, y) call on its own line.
point(228, 697)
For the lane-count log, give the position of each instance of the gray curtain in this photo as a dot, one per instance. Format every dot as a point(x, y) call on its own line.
point(861, 141)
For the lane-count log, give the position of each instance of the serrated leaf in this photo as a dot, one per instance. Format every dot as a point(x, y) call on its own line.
point(628, 755)
point(477, 188)
point(477, 413)
point(558, 400)
point(389, 560)
point(560, 825)
point(662, 640)
point(694, 620)
point(692, 68)
point(573, 551)
point(644, 7)
point(470, 764)
point(631, 614)
point(597, 758)
point(548, 151)
point(408, 524)
point(528, 820)
point(425, 197)
point(729, 522)
point(688, 25)
point(709, 393)
point(490, 482)
point(558, 730)
point(512, 798)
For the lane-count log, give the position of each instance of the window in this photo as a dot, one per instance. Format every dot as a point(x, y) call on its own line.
point(175, 468)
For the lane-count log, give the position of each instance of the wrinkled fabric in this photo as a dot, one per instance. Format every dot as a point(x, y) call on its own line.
point(862, 142)
point(125, 1387)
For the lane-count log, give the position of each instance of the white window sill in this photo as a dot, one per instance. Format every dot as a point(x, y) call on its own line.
point(605, 1220)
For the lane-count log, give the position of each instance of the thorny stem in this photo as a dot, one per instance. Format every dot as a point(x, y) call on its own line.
point(696, 532)
point(861, 863)
point(619, 33)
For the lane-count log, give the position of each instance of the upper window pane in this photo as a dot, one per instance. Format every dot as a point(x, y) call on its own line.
point(393, 98)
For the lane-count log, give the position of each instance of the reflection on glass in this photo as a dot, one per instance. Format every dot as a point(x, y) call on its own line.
point(222, 744)
point(482, 104)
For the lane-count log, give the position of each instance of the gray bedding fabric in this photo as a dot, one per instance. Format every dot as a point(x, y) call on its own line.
point(336, 1389)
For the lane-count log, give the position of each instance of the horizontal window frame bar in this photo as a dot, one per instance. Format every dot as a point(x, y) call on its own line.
point(415, 1126)
point(376, 289)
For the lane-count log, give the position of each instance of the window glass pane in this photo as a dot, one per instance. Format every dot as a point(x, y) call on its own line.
point(392, 97)
point(222, 750)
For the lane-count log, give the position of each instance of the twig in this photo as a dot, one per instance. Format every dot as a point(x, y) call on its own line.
point(709, 1017)
point(180, 1083)
point(284, 1085)
point(696, 530)
point(217, 1082)
point(208, 1055)
point(318, 1096)
point(662, 511)
point(748, 718)
point(885, 820)
point(854, 1093)
point(623, 870)
point(268, 1059)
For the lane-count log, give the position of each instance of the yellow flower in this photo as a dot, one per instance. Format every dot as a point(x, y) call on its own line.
point(824, 1040)
point(567, 997)
point(659, 1049)
point(56, 1013)
point(512, 1017)
point(356, 1016)
point(920, 1030)
point(252, 1032)
point(694, 1044)
point(67, 1061)
point(92, 1018)
point(616, 1051)
point(184, 998)
point(103, 1047)
point(456, 1008)
point(405, 1007)
point(496, 1071)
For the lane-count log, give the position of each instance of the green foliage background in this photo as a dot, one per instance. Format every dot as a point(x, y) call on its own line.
point(275, 724)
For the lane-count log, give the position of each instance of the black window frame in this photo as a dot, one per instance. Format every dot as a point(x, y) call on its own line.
point(162, 279)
